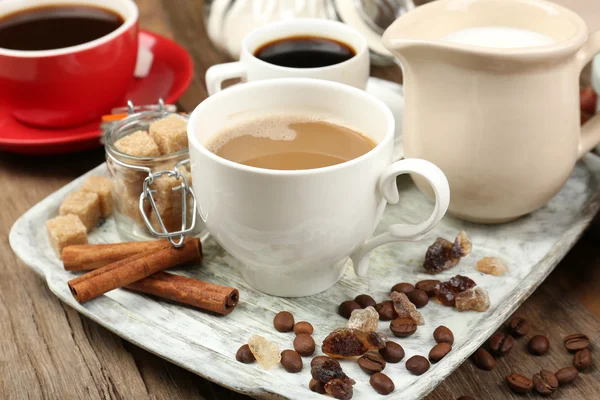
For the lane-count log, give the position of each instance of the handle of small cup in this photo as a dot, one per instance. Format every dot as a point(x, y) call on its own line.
point(590, 131)
point(217, 74)
point(401, 232)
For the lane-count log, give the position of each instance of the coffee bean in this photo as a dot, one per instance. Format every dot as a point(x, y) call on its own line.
point(304, 344)
point(538, 345)
point(519, 383)
point(364, 300)
point(320, 359)
point(284, 321)
point(439, 351)
point(418, 297)
point(566, 375)
point(303, 327)
point(428, 286)
point(501, 343)
point(291, 361)
point(483, 360)
point(582, 359)
point(382, 383)
point(403, 327)
point(371, 363)
point(418, 365)
point(386, 311)
point(345, 309)
point(550, 378)
point(518, 326)
point(443, 335)
point(576, 342)
point(545, 382)
point(403, 287)
point(316, 386)
point(244, 355)
point(392, 352)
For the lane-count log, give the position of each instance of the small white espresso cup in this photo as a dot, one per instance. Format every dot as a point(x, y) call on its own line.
point(353, 72)
point(293, 230)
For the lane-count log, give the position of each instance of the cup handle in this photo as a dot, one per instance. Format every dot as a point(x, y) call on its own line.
point(401, 232)
point(217, 74)
point(590, 131)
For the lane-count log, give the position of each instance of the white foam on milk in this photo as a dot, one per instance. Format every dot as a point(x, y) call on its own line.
point(272, 126)
point(502, 37)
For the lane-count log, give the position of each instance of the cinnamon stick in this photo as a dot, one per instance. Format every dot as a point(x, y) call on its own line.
point(207, 296)
point(132, 269)
point(85, 257)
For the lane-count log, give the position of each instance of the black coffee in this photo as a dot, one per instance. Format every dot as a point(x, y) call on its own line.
point(305, 52)
point(55, 27)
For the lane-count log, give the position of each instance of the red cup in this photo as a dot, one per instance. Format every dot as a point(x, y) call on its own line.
point(71, 85)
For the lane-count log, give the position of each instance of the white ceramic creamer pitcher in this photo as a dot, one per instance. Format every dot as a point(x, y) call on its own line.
point(492, 98)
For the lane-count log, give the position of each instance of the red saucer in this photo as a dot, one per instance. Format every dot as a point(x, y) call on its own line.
point(169, 77)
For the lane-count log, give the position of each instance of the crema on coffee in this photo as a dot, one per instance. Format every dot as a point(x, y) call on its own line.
point(289, 142)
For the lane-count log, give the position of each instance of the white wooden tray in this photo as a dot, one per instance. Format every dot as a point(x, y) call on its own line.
point(206, 344)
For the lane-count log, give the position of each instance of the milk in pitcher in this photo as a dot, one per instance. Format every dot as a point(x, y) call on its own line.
point(502, 37)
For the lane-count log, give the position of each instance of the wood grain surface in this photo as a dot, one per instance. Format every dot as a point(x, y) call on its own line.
point(48, 351)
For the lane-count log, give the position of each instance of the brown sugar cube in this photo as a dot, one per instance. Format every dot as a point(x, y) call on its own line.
point(129, 205)
point(168, 201)
point(165, 184)
point(128, 175)
point(167, 166)
point(83, 204)
point(130, 187)
point(65, 230)
point(102, 187)
point(138, 144)
point(170, 166)
point(170, 134)
point(125, 180)
point(169, 205)
point(122, 189)
point(133, 181)
point(165, 196)
point(171, 217)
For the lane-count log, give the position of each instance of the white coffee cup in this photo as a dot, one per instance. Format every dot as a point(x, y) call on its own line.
point(353, 72)
point(293, 230)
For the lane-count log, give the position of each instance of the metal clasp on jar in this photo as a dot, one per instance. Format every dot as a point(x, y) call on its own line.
point(185, 190)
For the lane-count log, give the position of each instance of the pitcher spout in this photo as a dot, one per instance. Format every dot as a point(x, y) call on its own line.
point(411, 36)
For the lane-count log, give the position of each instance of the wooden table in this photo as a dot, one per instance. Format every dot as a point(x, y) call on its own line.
point(48, 351)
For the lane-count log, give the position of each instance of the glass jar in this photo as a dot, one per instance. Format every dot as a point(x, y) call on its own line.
point(166, 177)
